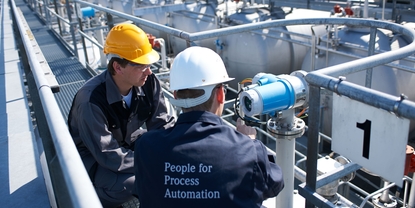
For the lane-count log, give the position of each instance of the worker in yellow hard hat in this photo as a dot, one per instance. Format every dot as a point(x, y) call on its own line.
point(108, 111)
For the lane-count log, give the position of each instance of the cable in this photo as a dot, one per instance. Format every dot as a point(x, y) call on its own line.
point(301, 112)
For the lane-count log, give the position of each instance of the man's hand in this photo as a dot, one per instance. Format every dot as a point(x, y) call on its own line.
point(137, 133)
point(244, 129)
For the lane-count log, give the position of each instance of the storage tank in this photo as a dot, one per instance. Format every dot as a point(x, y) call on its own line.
point(159, 15)
point(246, 54)
point(189, 16)
point(350, 39)
point(198, 16)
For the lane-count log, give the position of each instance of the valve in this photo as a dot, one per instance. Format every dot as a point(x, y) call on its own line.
point(410, 160)
point(151, 39)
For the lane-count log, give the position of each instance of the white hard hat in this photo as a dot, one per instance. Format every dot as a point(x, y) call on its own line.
point(197, 68)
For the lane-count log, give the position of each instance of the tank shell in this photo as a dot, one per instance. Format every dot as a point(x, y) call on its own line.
point(199, 16)
point(246, 54)
point(159, 17)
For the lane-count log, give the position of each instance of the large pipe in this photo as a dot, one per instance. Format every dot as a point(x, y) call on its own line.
point(285, 152)
point(285, 158)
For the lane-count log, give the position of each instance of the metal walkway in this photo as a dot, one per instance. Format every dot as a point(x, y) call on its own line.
point(69, 72)
point(21, 176)
point(21, 150)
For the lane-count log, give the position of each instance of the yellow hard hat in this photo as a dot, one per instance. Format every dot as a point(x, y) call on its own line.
point(129, 42)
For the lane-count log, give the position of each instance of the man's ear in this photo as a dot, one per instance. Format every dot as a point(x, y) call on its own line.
point(220, 97)
point(117, 67)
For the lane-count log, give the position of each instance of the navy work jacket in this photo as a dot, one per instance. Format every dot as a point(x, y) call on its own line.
point(202, 162)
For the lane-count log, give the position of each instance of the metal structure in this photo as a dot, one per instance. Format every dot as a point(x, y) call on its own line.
point(316, 180)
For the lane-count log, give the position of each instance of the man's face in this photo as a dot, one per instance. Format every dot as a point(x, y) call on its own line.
point(136, 74)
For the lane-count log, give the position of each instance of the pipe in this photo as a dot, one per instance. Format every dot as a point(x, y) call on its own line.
point(163, 54)
point(411, 201)
point(100, 38)
point(285, 148)
point(407, 180)
point(301, 176)
point(385, 194)
point(366, 9)
point(365, 95)
point(376, 192)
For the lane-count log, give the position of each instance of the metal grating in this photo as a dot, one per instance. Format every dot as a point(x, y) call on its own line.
point(68, 71)
point(64, 97)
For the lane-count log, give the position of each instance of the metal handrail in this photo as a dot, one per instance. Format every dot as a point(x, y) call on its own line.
point(81, 191)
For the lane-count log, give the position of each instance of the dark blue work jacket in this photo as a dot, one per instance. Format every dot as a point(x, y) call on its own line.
point(202, 162)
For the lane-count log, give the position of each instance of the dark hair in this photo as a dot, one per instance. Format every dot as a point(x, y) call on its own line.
point(194, 93)
point(122, 62)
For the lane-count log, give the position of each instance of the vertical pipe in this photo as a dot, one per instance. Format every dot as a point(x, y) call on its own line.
point(57, 18)
point(241, 112)
point(99, 34)
point(71, 27)
point(110, 21)
point(83, 42)
point(411, 201)
point(385, 194)
point(285, 159)
point(47, 20)
point(62, 14)
point(285, 153)
point(371, 51)
point(163, 54)
point(313, 50)
point(394, 16)
point(405, 193)
point(365, 9)
point(312, 143)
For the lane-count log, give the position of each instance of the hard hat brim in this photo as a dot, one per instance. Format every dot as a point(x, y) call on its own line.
point(186, 85)
point(148, 58)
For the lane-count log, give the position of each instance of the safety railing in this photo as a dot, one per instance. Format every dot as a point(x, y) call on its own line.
point(70, 181)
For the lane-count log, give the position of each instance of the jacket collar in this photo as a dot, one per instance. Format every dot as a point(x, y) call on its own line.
point(199, 116)
point(113, 94)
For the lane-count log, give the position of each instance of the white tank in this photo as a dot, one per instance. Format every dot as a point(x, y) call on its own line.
point(384, 78)
point(159, 17)
point(198, 16)
point(246, 54)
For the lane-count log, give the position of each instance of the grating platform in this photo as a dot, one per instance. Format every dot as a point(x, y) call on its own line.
point(68, 71)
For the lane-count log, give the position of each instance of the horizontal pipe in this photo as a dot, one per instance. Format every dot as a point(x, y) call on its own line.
point(404, 108)
point(150, 24)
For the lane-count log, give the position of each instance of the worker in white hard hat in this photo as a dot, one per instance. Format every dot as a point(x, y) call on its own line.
point(201, 161)
point(108, 111)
